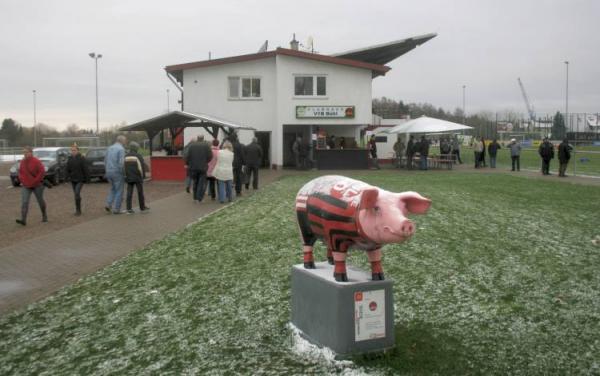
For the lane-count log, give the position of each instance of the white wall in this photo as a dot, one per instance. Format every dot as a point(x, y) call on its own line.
point(206, 91)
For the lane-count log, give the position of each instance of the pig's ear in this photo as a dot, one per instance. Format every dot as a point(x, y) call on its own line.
point(368, 198)
point(415, 203)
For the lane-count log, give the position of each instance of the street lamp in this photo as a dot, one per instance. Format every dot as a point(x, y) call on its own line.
point(464, 113)
point(34, 120)
point(95, 56)
point(567, 98)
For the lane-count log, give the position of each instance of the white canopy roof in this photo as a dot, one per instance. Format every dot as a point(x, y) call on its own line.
point(426, 124)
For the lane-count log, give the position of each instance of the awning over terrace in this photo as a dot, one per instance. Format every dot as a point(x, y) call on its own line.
point(176, 121)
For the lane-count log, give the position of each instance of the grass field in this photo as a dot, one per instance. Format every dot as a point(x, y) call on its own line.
point(500, 278)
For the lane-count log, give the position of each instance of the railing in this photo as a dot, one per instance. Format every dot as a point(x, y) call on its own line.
point(10, 154)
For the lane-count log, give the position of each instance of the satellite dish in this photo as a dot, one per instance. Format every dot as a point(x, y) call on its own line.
point(309, 44)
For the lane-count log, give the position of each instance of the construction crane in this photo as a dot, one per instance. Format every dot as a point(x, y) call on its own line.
point(527, 104)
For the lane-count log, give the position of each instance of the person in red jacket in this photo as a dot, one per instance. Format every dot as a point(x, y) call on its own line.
point(31, 176)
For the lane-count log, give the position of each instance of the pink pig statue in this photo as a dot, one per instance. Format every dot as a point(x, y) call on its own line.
point(346, 213)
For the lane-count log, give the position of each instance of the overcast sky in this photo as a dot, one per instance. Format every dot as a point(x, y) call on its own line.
point(484, 45)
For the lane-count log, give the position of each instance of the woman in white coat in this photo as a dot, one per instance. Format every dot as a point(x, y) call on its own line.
point(223, 172)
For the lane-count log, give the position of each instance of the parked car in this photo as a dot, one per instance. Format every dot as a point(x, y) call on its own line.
point(54, 160)
point(95, 160)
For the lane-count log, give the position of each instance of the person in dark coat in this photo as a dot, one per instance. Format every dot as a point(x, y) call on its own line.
point(373, 151)
point(198, 155)
point(493, 151)
point(135, 173)
point(252, 157)
point(238, 163)
point(78, 173)
point(482, 156)
point(31, 176)
point(546, 151)
point(564, 155)
point(410, 152)
point(424, 152)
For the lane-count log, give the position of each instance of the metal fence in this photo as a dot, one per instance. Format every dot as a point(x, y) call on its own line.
point(579, 128)
point(585, 161)
point(10, 154)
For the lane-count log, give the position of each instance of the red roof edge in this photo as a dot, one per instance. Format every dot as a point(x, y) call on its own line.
point(333, 60)
point(226, 60)
point(376, 68)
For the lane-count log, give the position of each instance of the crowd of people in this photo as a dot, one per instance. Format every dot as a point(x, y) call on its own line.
point(228, 165)
point(449, 149)
point(122, 167)
point(222, 167)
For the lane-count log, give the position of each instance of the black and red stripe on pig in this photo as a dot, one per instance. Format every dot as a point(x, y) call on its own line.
point(346, 213)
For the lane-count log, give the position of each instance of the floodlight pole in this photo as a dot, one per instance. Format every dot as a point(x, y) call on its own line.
point(567, 98)
point(34, 120)
point(95, 56)
point(464, 113)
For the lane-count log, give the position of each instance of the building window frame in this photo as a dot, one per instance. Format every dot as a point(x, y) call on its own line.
point(244, 93)
point(316, 79)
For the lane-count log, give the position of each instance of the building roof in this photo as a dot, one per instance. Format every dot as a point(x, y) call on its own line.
point(177, 70)
point(182, 119)
point(386, 52)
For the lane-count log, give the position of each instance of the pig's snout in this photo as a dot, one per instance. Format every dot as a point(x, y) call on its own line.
point(406, 228)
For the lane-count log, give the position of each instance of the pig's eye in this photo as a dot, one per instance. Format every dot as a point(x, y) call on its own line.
point(376, 209)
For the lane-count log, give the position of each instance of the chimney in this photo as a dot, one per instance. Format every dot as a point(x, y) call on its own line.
point(294, 43)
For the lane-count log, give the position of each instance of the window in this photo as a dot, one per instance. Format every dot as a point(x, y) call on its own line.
point(303, 86)
point(306, 86)
point(249, 87)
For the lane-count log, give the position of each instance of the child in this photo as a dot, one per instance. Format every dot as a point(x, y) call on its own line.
point(135, 172)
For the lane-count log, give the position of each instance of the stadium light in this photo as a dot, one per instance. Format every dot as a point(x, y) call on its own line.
point(95, 56)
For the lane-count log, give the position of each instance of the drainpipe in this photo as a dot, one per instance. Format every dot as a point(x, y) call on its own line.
point(178, 88)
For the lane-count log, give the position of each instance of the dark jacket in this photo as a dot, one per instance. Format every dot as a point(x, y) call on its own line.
point(198, 155)
point(564, 152)
point(135, 170)
point(373, 147)
point(424, 147)
point(253, 155)
point(493, 148)
point(77, 169)
point(410, 148)
point(546, 150)
point(238, 154)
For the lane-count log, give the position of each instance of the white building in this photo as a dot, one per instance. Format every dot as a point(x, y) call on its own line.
point(286, 92)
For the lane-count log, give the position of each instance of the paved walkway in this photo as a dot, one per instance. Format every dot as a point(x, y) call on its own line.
point(35, 268)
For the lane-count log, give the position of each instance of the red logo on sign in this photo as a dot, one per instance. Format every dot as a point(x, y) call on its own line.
point(372, 306)
point(358, 296)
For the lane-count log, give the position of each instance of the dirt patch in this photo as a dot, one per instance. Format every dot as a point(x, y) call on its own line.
point(5, 169)
point(61, 207)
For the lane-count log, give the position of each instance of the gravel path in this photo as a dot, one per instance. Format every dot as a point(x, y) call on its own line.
point(61, 207)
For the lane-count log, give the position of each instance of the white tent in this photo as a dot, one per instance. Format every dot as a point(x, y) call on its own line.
point(426, 124)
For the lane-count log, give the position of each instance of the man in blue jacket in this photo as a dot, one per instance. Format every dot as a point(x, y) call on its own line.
point(114, 163)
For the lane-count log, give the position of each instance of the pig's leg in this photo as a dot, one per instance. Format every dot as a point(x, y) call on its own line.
point(339, 258)
point(309, 260)
point(376, 269)
point(308, 239)
point(330, 255)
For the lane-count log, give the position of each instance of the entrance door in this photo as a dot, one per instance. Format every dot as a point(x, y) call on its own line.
point(264, 140)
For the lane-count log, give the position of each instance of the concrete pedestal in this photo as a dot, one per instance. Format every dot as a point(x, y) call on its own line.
point(351, 317)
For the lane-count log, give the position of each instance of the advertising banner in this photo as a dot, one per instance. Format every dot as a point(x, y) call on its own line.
point(324, 112)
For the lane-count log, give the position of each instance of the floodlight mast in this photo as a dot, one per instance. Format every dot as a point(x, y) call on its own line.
point(526, 99)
